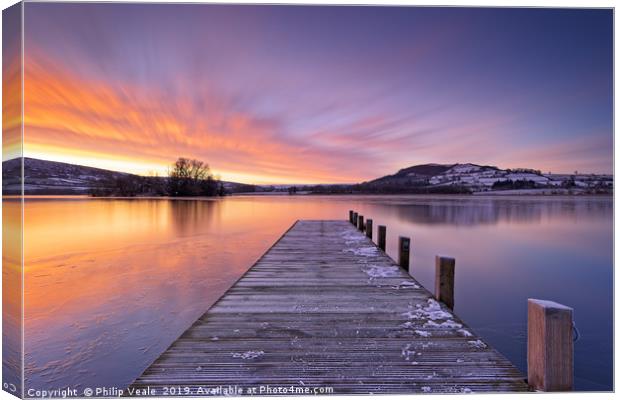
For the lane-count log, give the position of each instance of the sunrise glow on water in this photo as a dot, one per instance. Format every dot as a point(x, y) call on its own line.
point(99, 309)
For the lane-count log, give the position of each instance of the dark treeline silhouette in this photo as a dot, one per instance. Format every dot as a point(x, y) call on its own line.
point(517, 184)
point(187, 177)
point(366, 188)
point(386, 188)
point(190, 177)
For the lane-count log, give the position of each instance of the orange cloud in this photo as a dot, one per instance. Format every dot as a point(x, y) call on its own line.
point(98, 121)
point(130, 128)
point(11, 108)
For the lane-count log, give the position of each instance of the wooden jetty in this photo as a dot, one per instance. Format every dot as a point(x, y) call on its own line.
point(326, 308)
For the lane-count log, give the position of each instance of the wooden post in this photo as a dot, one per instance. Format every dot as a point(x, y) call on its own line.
point(444, 280)
point(549, 346)
point(360, 223)
point(354, 222)
point(351, 216)
point(404, 243)
point(381, 237)
point(369, 228)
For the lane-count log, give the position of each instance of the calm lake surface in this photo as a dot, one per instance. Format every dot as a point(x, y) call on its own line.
point(110, 283)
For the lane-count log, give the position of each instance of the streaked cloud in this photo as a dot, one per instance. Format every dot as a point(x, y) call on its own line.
point(299, 94)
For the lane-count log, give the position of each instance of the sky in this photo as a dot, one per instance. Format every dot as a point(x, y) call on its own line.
point(317, 94)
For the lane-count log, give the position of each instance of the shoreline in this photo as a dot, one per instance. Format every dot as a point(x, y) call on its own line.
point(498, 194)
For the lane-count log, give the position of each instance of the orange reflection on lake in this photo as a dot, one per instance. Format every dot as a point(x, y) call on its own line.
point(12, 292)
point(102, 274)
point(110, 283)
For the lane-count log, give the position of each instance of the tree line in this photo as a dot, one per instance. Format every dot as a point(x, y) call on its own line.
point(186, 177)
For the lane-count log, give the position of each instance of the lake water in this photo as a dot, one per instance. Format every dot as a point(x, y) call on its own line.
point(110, 283)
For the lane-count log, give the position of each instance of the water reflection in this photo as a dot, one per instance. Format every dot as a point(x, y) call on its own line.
point(468, 211)
point(12, 294)
point(109, 284)
point(189, 215)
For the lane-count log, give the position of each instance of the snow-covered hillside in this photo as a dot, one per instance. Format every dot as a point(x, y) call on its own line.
point(480, 178)
point(49, 177)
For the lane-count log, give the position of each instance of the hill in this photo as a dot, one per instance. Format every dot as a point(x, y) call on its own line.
point(56, 178)
point(42, 177)
point(415, 175)
point(50, 177)
point(468, 177)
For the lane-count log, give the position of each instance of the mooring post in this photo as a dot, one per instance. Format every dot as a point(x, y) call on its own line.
point(351, 216)
point(549, 346)
point(444, 280)
point(354, 222)
point(360, 223)
point(369, 228)
point(381, 237)
point(404, 244)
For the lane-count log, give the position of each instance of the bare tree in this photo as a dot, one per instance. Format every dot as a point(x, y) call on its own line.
point(189, 177)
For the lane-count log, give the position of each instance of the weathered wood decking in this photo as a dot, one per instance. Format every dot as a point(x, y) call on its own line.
point(325, 307)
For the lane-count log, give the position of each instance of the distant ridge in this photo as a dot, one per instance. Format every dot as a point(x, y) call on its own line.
point(52, 177)
point(469, 177)
point(432, 174)
point(425, 169)
point(412, 174)
point(42, 177)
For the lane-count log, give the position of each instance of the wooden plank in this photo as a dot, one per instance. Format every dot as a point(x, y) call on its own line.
point(324, 307)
